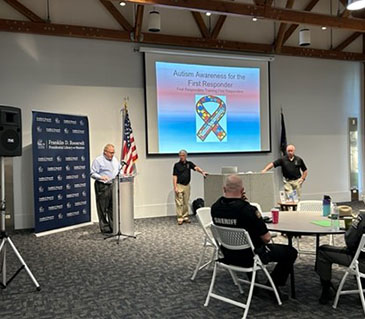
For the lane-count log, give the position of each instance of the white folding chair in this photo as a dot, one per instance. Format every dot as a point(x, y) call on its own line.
point(353, 269)
point(311, 206)
point(258, 206)
point(238, 239)
point(205, 220)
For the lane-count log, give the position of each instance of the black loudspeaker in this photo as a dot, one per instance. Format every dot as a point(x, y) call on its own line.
point(10, 131)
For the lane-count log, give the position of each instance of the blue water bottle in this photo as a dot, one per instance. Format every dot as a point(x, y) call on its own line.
point(326, 205)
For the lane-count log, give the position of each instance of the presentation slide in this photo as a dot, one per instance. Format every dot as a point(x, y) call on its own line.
point(207, 108)
point(206, 104)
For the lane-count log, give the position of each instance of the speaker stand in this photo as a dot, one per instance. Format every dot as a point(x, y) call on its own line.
point(5, 240)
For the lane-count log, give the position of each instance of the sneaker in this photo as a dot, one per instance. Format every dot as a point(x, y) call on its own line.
point(180, 221)
point(187, 220)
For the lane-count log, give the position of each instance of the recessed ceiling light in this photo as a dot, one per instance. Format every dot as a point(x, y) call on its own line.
point(208, 14)
point(324, 28)
point(122, 3)
point(254, 19)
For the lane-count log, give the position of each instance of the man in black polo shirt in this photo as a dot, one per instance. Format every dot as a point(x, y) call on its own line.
point(181, 182)
point(233, 211)
point(328, 255)
point(294, 170)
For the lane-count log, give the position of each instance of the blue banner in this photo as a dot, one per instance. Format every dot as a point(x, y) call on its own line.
point(61, 169)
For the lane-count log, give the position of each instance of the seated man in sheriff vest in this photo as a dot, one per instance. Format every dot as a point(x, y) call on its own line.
point(233, 210)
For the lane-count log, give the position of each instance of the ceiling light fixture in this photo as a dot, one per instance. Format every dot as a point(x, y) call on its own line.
point(208, 14)
point(324, 28)
point(254, 19)
point(122, 3)
point(304, 37)
point(355, 4)
point(154, 21)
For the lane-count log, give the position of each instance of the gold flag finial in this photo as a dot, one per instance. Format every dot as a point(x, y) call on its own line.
point(125, 104)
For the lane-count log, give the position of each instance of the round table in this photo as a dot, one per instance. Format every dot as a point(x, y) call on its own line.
point(296, 223)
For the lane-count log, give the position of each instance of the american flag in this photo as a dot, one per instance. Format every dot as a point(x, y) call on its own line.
point(129, 150)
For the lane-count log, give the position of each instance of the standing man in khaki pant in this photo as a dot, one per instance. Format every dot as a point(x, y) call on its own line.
point(181, 180)
point(294, 170)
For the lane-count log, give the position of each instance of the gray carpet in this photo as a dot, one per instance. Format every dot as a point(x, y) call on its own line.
point(84, 276)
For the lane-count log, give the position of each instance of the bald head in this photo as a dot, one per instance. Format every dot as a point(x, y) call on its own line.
point(290, 150)
point(233, 187)
point(109, 151)
point(182, 155)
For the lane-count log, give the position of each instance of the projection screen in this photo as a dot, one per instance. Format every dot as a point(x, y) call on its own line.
point(206, 103)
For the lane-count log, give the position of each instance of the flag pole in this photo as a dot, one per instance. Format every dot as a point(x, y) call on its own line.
point(123, 112)
point(125, 104)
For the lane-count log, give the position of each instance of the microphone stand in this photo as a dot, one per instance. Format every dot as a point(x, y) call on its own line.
point(119, 233)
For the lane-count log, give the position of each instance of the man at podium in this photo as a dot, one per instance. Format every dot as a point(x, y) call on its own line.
point(181, 182)
point(104, 169)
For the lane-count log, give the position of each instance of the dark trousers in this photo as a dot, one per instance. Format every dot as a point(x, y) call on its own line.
point(285, 257)
point(328, 255)
point(104, 205)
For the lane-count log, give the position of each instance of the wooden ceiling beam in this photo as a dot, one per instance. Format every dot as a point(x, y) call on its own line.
point(117, 15)
point(344, 3)
point(271, 13)
point(311, 4)
point(263, 2)
point(345, 13)
point(24, 11)
point(347, 41)
point(278, 43)
point(218, 26)
point(194, 42)
point(63, 30)
point(322, 54)
point(138, 23)
point(249, 47)
point(201, 24)
point(153, 38)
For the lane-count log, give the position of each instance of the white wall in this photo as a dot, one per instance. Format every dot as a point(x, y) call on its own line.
point(318, 96)
point(91, 77)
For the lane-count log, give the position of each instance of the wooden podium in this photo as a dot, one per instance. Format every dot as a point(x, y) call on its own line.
point(259, 188)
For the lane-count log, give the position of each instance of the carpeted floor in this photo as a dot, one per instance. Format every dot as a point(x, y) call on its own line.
point(84, 276)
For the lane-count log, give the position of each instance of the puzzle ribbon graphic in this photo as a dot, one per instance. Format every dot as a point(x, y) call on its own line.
point(211, 121)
